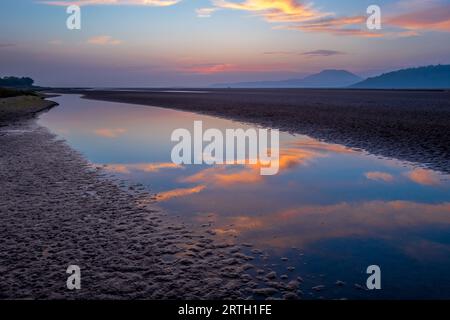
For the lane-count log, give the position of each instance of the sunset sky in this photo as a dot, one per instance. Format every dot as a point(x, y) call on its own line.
point(146, 43)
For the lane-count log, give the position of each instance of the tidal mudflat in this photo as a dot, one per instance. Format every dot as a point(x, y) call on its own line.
point(309, 232)
point(57, 210)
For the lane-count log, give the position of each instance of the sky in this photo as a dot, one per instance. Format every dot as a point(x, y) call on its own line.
point(188, 43)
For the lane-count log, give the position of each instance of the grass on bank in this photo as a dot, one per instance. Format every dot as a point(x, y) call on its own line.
point(8, 93)
point(18, 104)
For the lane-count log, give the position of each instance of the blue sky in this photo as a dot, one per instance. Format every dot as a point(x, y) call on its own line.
point(130, 43)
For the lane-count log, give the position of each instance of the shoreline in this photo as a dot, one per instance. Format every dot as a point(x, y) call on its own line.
point(23, 107)
point(411, 126)
point(57, 210)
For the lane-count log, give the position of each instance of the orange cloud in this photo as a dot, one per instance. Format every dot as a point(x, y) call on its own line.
point(251, 173)
point(300, 16)
point(109, 133)
point(380, 176)
point(299, 153)
point(220, 177)
point(274, 11)
point(424, 177)
point(103, 41)
point(118, 168)
point(155, 167)
point(167, 195)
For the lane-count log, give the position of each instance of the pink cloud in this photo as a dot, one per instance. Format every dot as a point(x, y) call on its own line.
point(109, 133)
point(379, 176)
point(217, 68)
point(103, 41)
point(424, 177)
point(435, 19)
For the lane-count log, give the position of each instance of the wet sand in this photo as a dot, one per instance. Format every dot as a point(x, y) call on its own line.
point(57, 210)
point(407, 125)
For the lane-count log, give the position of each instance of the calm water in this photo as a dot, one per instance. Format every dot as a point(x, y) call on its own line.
point(331, 211)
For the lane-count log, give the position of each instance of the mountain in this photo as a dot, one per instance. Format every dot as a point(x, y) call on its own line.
point(324, 79)
point(431, 77)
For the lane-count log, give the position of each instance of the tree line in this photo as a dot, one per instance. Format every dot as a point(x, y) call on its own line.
point(16, 82)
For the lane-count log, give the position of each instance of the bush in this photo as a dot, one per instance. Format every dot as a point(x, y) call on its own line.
point(6, 93)
point(16, 82)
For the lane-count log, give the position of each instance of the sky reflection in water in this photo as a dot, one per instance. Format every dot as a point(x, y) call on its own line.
point(331, 211)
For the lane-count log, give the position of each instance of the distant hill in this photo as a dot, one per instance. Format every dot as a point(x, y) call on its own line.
point(324, 79)
point(431, 77)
